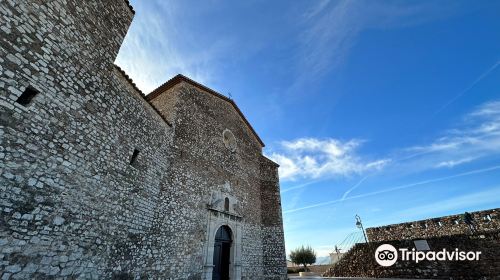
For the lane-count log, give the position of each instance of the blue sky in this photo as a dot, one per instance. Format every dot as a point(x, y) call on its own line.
point(386, 109)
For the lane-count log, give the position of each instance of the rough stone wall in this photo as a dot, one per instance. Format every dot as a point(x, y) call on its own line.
point(202, 165)
point(360, 260)
point(272, 222)
point(74, 202)
point(165, 103)
point(71, 205)
point(487, 220)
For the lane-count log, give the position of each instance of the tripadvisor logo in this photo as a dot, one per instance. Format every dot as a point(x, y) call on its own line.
point(387, 255)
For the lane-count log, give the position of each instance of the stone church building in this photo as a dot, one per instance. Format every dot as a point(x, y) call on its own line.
point(99, 181)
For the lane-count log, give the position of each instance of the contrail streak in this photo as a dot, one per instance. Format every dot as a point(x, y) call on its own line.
point(472, 172)
point(486, 73)
point(353, 188)
point(300, 186)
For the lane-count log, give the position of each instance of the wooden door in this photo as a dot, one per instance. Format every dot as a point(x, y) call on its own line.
point(222, 254)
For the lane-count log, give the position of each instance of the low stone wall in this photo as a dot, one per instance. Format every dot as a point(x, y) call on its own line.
point(318, 269)
point(487, 220)
point(360, 260)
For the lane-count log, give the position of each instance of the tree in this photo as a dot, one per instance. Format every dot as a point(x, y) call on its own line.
point(304, 256)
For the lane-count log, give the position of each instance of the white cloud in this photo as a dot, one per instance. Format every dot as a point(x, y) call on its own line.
point(314, 158)
point(288, 167)
point(491, 108)
point(477, 137)
point(156, 47)
point(331, 29)
point(161, 44)
point(453, 163)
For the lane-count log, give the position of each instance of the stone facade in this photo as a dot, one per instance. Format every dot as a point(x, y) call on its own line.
point(99, 182)
point(485, 221)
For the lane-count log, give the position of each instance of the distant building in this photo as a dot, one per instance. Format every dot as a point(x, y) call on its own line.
point(335, 257)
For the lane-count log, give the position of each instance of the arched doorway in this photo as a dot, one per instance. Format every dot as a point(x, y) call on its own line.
point(222, 253)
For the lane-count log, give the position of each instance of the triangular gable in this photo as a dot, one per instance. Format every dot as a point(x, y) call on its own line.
point(181, 78)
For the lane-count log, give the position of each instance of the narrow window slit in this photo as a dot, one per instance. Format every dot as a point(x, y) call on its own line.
point(27, 96)
point(133, 159)
point(226, 204)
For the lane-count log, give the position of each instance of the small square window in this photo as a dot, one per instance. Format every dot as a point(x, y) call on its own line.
point(27, 96)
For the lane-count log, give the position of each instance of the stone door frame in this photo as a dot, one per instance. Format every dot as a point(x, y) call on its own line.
point(217, 219)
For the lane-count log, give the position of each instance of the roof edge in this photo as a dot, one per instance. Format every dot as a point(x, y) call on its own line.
point(124, 74)
point(130, 6)
point(181, 78)
point(270, 161)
